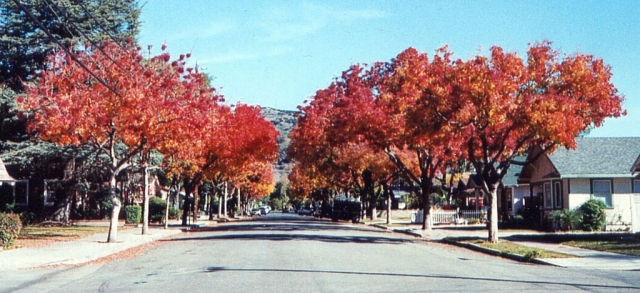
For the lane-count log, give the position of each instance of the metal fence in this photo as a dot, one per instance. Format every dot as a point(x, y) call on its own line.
point(450, 216)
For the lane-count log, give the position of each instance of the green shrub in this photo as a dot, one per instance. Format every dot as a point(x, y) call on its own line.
point(593, 215)
point(175, 213)
point(10, 226)
point(157, 210)
point(28, 218)
point(157, 207)
point(133, 214)
point(531, 254)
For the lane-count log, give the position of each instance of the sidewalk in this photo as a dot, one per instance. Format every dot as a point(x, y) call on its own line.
point(79, 251)
point(585, 258)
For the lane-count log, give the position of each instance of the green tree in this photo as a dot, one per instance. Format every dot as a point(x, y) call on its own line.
point(24, 46)
point(23, 50)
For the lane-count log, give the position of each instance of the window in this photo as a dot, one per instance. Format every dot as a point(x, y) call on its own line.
point(508, 194)
point(601, 190)
point(49, 192)
point(557, 194)
point(21, 193)
point(548, 200)
point(636, 186)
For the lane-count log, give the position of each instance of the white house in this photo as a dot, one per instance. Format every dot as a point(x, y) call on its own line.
point(602, 168)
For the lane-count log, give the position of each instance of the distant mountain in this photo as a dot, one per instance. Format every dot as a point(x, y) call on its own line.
point(284, 121)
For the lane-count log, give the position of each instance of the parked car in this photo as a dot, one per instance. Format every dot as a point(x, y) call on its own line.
point(346, 210)
point(285, 210)
point(263, 210)
point(255, 212)
point(305, 211)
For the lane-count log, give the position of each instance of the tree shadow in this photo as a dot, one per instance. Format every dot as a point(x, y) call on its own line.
point(288, 226)
point(579, 286)
point(296, 237)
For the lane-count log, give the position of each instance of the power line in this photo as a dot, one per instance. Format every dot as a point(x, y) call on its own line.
point(73, 56)
point(99, 25)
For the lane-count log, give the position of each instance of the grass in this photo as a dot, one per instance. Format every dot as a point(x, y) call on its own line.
point(628, 246)
point(505, 246)
point(38, 236)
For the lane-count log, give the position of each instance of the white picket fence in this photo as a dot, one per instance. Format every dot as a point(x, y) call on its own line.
point(449, 216)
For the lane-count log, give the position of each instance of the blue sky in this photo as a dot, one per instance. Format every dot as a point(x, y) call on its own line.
point(278, 53)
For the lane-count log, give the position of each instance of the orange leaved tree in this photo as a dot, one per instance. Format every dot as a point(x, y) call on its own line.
point(113, 97)
point(505, 105)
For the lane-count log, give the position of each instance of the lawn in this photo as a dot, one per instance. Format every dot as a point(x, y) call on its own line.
point(628, 245)
point(38, 236)
point(505, 246)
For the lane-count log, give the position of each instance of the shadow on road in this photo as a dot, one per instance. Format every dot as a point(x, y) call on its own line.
point(291, 228)
point(286, 223)
point(298, 237)
point(579, 286)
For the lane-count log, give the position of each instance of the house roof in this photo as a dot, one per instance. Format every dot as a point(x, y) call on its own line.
point(4, 175)
point(511, 178)
point(597, 156)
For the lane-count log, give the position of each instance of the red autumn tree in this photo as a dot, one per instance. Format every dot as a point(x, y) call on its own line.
point(505, 105)
point(221, 142)
point(328, 159)
point(120, 98)
point(393, 108)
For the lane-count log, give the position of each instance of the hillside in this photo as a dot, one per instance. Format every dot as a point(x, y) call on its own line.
point(284, 121)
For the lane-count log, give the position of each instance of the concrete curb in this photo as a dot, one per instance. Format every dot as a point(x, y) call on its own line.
point(494, 252)
point(379, 226)
point(408, 232)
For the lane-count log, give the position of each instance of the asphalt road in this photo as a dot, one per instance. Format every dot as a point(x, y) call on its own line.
point(291, 253)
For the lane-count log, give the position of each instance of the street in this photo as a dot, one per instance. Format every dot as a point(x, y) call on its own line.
point(291, 253)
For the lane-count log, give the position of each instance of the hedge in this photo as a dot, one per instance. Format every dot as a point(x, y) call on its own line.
point(10, 226)
point(133, 214)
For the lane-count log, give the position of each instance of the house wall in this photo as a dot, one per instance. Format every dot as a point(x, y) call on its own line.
point(622, 205)
point(542, 167)
point(580, 191)
point(621, 199)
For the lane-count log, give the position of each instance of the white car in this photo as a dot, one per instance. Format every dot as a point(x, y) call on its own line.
point(255, 212)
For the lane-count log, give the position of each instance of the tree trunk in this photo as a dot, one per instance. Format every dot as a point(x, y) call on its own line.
point(188, 188)
point(166, 211)
point(238, 203)
point(426, 220)
point(372, 205)
point(196, 198)
point(388, 193)
point(220, 198)
point(145, 202)
point(493, 215)
point(226, 198)
point(115, 211)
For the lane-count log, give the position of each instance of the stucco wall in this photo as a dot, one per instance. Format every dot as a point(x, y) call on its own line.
point(577, 199)
point(620, 199)
point(621, 208)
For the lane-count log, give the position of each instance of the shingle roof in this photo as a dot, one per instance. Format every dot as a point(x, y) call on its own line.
point(511, 178)
point(598, 156)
